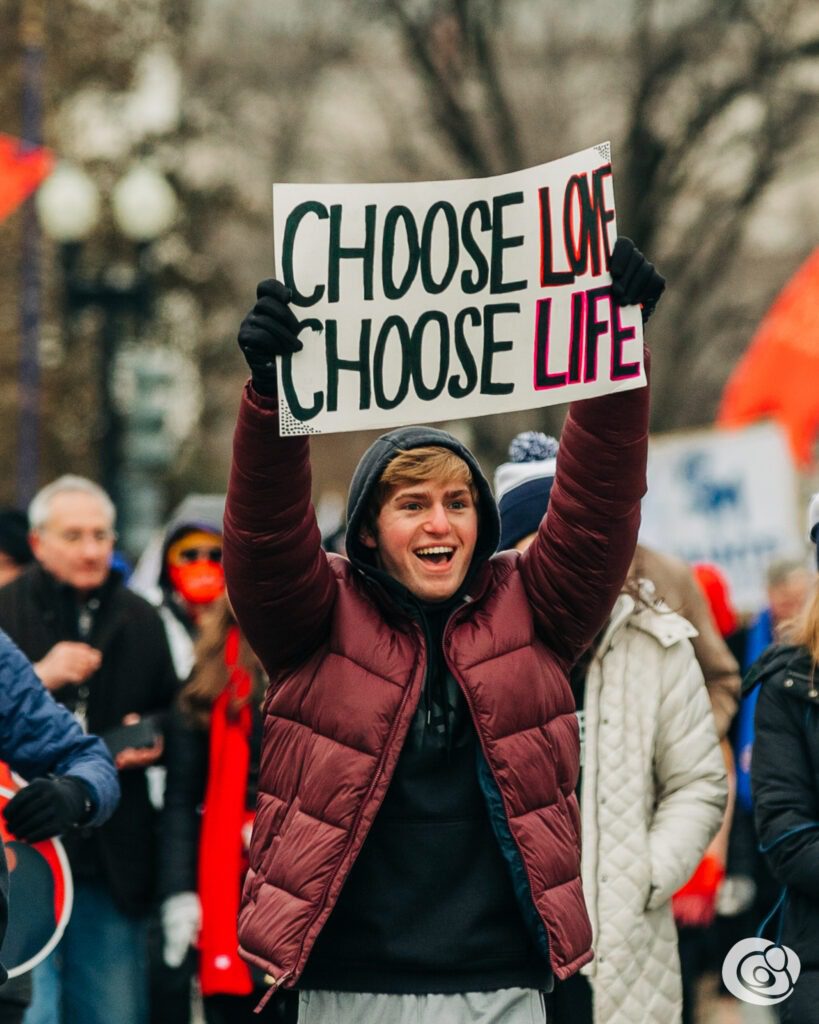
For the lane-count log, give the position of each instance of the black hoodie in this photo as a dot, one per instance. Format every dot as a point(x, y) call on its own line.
point(429, 905)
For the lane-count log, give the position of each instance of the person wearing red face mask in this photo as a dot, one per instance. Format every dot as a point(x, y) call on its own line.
point(194, 566)
point(181, 572)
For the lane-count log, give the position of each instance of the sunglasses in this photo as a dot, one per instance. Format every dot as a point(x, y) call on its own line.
point(190, 555)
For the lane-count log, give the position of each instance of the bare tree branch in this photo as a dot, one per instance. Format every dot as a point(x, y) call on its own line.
point(503, 118)
point(453, 117)
point(716, 233)
point(485, 138)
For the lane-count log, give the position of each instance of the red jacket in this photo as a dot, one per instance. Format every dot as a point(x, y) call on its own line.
point(347, 670)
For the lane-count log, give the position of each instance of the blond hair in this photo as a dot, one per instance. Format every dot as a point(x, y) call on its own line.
point(210, 673)
point(805, 628)
point(416, 466)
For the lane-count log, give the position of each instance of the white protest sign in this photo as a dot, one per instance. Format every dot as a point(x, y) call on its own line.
point(443, 300)
point(727, 497)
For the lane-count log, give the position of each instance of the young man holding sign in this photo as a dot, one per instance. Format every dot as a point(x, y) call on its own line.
point(416, 848)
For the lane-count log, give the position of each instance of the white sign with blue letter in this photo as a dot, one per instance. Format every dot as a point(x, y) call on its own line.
point(727, 497)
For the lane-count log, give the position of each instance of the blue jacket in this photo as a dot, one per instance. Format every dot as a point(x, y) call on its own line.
point(40, 737)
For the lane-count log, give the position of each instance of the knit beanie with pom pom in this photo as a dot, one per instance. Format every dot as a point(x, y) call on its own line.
point(523, 485)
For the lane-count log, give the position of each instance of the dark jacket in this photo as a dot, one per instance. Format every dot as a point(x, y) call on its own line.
point(38, 737)
point(347, 671)
point(136, 675)
point(785, 783)
point(186, 760)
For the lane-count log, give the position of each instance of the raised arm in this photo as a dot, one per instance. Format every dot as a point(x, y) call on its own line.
point(278, 578)
point(578, 562)
point(576, 566)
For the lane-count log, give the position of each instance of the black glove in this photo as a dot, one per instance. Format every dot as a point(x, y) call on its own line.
point(635, 281)
point(268, 330)
point(46, 808)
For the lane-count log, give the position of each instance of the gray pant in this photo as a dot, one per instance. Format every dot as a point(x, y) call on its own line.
point(506, 1006)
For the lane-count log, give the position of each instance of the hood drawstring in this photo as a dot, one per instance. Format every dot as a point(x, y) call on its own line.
point(439, 709)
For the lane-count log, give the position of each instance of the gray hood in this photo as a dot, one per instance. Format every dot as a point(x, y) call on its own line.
point(195, 512)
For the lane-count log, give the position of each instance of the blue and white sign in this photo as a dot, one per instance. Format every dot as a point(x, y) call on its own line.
point(727, 497)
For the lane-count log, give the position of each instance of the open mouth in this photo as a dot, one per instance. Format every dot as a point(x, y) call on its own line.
point(438, 555)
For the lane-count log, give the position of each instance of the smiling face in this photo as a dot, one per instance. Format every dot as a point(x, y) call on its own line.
point(425, 535)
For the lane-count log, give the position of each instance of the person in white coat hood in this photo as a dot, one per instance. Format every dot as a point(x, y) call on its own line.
point(652, 787)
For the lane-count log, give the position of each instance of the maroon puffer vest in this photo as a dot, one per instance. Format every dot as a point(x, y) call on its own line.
point(334, 728)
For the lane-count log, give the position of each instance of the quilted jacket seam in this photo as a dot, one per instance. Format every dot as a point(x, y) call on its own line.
point(365, 668)
point(314, 732)
point(494, 657)
point(540, 726)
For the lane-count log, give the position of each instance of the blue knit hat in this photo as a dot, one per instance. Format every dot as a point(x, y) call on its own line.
point(523, 485)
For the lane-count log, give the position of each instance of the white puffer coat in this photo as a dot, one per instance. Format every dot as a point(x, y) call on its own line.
point(653, 795)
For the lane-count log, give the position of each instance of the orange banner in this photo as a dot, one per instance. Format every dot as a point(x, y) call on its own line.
point(778, 377)
point(21, 171)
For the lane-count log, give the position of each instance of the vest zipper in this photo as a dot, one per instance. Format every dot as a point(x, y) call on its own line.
point(379, 771)
point(275, 984)
point(468, 699)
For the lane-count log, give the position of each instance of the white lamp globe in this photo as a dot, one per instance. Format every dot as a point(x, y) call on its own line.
point(144, 204)
point(68, 204)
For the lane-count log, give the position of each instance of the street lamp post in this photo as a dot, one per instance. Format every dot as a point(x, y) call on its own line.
point(144, 207)
point(28, 433)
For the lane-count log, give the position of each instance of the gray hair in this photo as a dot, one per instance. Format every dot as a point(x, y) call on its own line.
point(40, 508)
